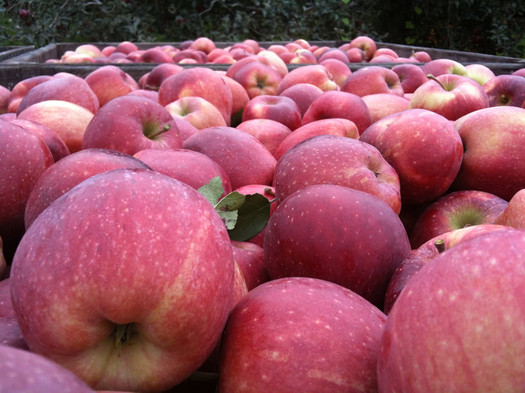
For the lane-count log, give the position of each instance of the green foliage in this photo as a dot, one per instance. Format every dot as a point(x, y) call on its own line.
point(485, 26)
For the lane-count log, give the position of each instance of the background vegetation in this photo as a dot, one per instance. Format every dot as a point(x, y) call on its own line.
point(484, 26)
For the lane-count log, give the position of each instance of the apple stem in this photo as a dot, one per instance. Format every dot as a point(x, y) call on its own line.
point(435, 79)
point(440, 245)
point(122, 334)
point(162, 130)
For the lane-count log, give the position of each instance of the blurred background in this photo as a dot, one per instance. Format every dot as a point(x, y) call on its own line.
point(482, 26)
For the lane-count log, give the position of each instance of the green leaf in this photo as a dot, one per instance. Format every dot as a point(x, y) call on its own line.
point(229, 218)
point(345, 1)
point(212, 190)
point(345, 21)
point(418, 10)
point(253, 217)
point(233, 201)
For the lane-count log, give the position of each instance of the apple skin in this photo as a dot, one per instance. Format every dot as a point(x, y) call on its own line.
point(23, 371)
point(333, 126)
point(132, 123)
point(496, 167)
point(506, 90)
point(372, 80)
point(339, 104)
point(315, 74)
point(10, 333)
point(479, 72)
point(196, 110)
point(191, 167)
point(366, 44)
point(159, 73)
point(339, 69)
point(453, 327)
point(4, 270)
point(63, 175)
point(250, 259)
point(383, 104)
point(429, 158)
point(438, 67)
point(274, 340)
point(24, 156)
point(21, 88)
point(109, 81)
point(159, 315)
point(338, 234)
point(68, 88)
point(456, 210)
point(514, 214)
point(426, 252)
point(269, 132)
point(239, 99)
point(5, 93)
point(198, 81)
point(303, 94)
point(244, 158)
point(332, 159)
point(411, 76)
point(258, 78)
point(275, 107)
point(68, 120)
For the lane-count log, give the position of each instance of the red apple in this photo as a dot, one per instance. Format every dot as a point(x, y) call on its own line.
point(339, 104)
point(479, 72)
point(198, 81)
point(506, 90)
point(154, 55)
point(332, 159)
point(366, 44)
point(275, 107)
point(68, 120)
point(239, 99)
point(203, 44)
point(130, 124)
point(69, 88)
point(273, 60)
point(494, 140)
point(456, 210)
point(250, 259)
point(385, 51)
point(24, 156)
point(383, 104)
point(355, 55)
point(339, 69)
point(269, 132)
point(421, 56)
point(411, 76)
point(334, 126)
point(438, 67)
point(258, 78)
point(514, 214)
point(372, 80)
point(126, 47)
point(10, 333)
point(335, 54)
point(302, 56)
point(244, 158)
point(423, 147)
point(303, 94)
point(338, 234)
point(21, 88)
point(453, 327)
point(109, 81)
point(450, 95)
point(190, 56)
point(159, 73)
point(520, 72)
point(146, 289)
point(196, 110)
point(70, 171)
point(277, 341)
point(4, 270)
point(191, 167)
point(315, 74)
point(5, 93)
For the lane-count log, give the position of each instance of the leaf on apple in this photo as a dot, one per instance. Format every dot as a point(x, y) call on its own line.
point(244, 215)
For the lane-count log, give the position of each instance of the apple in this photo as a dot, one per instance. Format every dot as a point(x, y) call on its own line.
point(275, 107)
point(453, 327)
point(479, 72)
point(56, 145)
point(244, 158)
point(300, 56)
point(24, 156)
point(196, 110)
point(126, 47)
point(338, 234)
point(154, 55)
point(90, 50)
point(10, 333)
point(333, 126)
point(269, 132)
point(423, 147)
point(24, 371)
point(339, 104)
point(410, 75)
point(277, 341)
point(250, 259)
point(456, 210)
point(506, 90)
point(303, 94)
point(339, 69)
point(519, 71)
point(382, 51)
point(272, 59)
point(315, 74)
point(366, 44)
point(384, 104)
point(258, 78)
point(5, 93)
point(239, 99)
point(198, 81)
point(72, 57)
point(21, 88)
point(203, 44)
point(333, 159)
point(514, 214)
point(355, 55)
point(421, 56)
point(494, 140)
point(68, 120)
point(63, 175)
point(130, 124)
point(69, 88)
point(334, 54)
point(159, 73)
point(450, 95)
point(109, 81)
point(426, 252)
point(438, 67)
point(188, 166)
point(190, 56)
point(4, 270)
point(147, 289)
point(382, 59)
point(150, 94)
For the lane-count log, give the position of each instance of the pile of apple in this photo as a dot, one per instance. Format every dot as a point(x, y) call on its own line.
point(264, 228)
